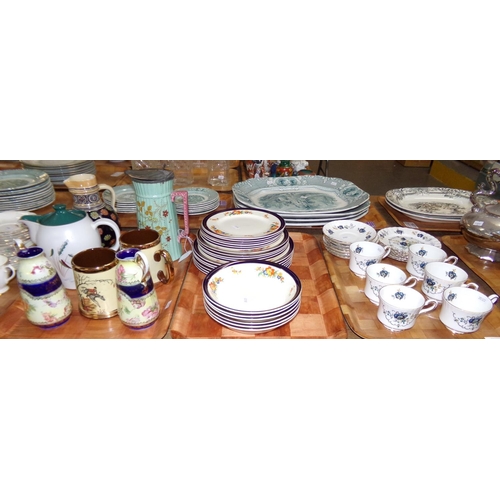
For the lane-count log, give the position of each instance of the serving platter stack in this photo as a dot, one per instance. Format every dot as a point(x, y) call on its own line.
point(59, 170)
point(430, 204)
point(338, 236)
point(310, 201)
point(254, 297)
point(25, 189)
point(238, 235)
point(200, 201)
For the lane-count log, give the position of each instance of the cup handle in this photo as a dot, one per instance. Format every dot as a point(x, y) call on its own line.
point(113, 225)
point(493, 298)
point(387, 249)
point(142, 261)
point(451, 260)
point(429, 305)
point(104, 187)
point(184, 195)
point(13, 272)
point(470, 285)
point(411, 281)
point(170, 266)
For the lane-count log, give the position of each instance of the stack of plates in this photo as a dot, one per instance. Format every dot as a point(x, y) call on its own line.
point(303, 200)
point(200, 201)
point(239, 235)
point(435, 204)
point(25, 189)
point(253, 297)
point(126, 202)
point(338, 236)
point(60, 170)
point(11, 229)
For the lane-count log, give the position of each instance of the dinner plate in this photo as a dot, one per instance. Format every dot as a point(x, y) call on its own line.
point(399, 239)
point(431, 201)
point(20, 179)
point(301, 194)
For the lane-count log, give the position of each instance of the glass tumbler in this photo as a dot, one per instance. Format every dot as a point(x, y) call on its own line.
point(218, 172)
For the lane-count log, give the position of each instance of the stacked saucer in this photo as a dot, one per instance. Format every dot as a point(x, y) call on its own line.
point(59, 170)
point(239, 235)
point(200, 201)
point(338, 236)
point(25, 189)
point(252, 297)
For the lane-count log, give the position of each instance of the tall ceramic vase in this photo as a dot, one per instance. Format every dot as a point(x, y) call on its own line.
point(45, 300)
point(154, 190)
point(137, 300)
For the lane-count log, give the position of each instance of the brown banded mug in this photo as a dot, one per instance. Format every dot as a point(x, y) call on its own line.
point(95, 279)
point(148, 241)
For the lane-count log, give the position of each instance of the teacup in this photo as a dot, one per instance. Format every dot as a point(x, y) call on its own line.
point(380, 275)
point(419, 255)
point(364, 254)
point(7, 273)
point(464, 309)
point(401, 305)
point(149, 242)
point(439, 276)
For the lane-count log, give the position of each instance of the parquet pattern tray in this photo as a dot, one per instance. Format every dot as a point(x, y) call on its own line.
point(319, 317)
point(361, 314)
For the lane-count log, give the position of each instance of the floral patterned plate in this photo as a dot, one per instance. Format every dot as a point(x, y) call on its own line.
point(399, 239)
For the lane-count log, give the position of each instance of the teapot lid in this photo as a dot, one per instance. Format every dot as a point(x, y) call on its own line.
point(61, 216)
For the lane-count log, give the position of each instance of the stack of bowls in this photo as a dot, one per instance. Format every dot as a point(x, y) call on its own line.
point(338, 236)
point(239, 235)
point(252, 297)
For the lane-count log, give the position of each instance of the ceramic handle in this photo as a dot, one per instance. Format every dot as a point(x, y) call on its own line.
point(493, 298)
point(104, 187)
point(470, 285)
point(387, 251)
point(411, 281)
point(13, 272)
point(113, 225)
point(143, 262)
point(163, 254)
point(431, 305)
point(451, 260)
point(184, 196)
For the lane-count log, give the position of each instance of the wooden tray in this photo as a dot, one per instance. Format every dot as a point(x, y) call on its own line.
point(361, 314)
point(406, 221)
point(319, 316)
point(13, 322)
point(487, 271)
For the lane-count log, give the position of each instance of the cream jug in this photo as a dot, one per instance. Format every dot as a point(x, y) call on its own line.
point(62, 234)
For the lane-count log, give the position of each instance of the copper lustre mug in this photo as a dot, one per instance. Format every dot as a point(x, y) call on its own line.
point(148, 241)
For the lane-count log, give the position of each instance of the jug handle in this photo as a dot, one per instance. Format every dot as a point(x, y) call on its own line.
point(184, 195)
point(163, 254)
point(142, 261)
point(105, 187)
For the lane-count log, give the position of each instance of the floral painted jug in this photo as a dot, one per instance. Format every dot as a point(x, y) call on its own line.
point(46, 302)
point(137, 300)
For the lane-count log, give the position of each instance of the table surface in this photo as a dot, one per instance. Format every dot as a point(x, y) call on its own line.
point(345, 309)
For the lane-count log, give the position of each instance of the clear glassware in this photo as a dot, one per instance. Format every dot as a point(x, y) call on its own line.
point(218, 172)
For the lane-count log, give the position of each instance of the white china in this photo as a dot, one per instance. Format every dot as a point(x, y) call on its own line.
point(464, 309)
point(59, 170)
point(364, 254)
point(439, 276)
point(400, 306)
point(399, 239)
point(7, 273)
point(419, 255)
point(446, 203)
point(380, 275)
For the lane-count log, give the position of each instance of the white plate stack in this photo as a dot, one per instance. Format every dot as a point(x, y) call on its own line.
point(252, 297)
point(338, 236)
point(60, 170)
point(126, 201)
point(25, 189)
point(200, 201)
point(238, 235)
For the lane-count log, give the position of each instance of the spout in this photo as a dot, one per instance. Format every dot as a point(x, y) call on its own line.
point(33, 224)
